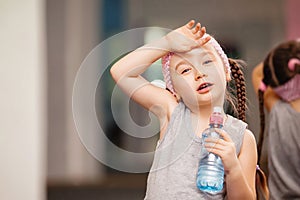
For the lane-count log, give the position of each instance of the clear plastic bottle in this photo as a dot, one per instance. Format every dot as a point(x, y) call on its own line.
point(210, 175)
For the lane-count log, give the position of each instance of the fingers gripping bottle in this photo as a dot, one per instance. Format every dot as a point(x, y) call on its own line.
point(210, 175)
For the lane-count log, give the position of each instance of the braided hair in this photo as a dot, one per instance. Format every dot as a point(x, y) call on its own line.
point(262, 190)
point(240, 87)
point(239, 98)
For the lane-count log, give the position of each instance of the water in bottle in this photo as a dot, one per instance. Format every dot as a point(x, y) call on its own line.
point(210, 175)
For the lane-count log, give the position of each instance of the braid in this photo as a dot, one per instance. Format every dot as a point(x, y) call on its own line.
point(261, 180)
point(262, 190)
point(240, 85)
point(261, 185)
point(262, 123)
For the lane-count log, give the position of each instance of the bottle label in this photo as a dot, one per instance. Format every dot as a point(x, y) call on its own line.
point(216, 119)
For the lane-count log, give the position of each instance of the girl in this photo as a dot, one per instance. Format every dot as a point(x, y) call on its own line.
point(277, 81)
point(196, 71)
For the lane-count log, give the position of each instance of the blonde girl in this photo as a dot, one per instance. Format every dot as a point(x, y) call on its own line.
point(196, 72)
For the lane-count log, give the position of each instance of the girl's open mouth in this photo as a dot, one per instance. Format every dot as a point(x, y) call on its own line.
point(204, 87)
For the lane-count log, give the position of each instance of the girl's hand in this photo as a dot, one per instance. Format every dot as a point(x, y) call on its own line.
point(225, 148)
point(187, 37)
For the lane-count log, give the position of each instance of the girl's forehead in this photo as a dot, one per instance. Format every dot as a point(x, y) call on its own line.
point(195, 54)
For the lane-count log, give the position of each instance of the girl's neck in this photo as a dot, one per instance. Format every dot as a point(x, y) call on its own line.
point(204, 111)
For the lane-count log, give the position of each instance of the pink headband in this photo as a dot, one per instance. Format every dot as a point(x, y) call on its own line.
point(291, 65)
point(166, 71)
point(290, 90)
point(166, 63)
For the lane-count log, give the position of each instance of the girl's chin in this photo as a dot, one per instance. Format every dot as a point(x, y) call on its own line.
point(203, 99)
point(208, 98)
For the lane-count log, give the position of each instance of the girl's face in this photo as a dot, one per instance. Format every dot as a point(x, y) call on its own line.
point(198, 76)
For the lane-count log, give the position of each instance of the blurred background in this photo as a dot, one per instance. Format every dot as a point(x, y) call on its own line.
point(42, 45)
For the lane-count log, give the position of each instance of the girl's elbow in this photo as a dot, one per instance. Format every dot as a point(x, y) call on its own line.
point(114, 73)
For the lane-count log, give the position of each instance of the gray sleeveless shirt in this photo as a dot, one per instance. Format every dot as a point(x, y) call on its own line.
point(174, 169)
point(283, 152)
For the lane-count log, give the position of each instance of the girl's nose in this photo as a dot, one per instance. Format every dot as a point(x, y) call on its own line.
point(199, 75)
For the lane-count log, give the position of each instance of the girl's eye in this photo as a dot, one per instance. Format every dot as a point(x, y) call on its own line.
point(207, 62)
point(185, 70)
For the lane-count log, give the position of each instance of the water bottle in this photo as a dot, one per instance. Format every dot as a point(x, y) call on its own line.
point(210, 175)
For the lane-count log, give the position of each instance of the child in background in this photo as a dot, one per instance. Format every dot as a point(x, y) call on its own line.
point(277, 82)
point(196, 72)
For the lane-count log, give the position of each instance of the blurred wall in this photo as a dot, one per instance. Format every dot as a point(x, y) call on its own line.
point(292, 19)
point(73, 30)
point(23, 100)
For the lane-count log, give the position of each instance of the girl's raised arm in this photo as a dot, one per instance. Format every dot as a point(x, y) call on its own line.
point(127, 74)
point(127, 71)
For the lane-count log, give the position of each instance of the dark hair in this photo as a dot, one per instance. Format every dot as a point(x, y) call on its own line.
point(240, 87)
point(275, 70)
